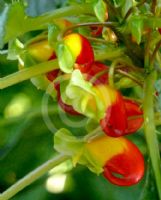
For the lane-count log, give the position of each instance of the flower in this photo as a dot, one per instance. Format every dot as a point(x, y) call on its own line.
point(122, 162)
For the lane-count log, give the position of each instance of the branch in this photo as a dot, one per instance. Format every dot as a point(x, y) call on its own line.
point(32, 176)
point(28, 73)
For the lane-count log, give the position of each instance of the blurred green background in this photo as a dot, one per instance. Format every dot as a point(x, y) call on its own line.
point(26, 142)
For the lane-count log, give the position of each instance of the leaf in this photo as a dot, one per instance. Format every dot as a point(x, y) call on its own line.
point(158, 7)
point(118, 3)
point(126, 6)
point(100, 10)
point(65, 58)
point(53, 32)
point(15, 48)
point(152, 21)
point(9, 27)
point(136, 27)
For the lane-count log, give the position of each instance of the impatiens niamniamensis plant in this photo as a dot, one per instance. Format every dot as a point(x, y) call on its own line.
point(102, 59)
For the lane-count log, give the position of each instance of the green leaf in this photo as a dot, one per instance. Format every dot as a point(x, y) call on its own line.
point(65, 58)
point(158, 7)
point(10, 26)
point(126, 6)
point(100, 10)
point(118, 3)
point(136, 27)
point(152, 21)
point(15, 48)
point(53, 32)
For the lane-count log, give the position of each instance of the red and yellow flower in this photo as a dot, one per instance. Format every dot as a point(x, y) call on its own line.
point(122, 162)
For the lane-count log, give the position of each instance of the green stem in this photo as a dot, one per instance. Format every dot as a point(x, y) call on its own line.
point(152, 59)
point(28, 73)
point(109, 55)
point(31, 177)
point(101, 24)
point(42, 22)
point(45, 67)
point(149, 127)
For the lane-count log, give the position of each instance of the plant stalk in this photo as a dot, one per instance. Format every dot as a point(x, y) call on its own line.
point(45, 67)
point(32, 176)
point(42, 22)
point(149, 127)
point(28, 73)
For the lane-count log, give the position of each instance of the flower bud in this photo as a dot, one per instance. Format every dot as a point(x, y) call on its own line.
point(41, 50)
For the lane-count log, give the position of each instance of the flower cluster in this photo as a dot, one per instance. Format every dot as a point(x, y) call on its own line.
point(96, 99)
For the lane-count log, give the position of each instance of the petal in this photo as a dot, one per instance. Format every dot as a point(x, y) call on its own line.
point(114, 123)
point(127, 168)
point(134, 115)
point(94, 70)
point(104, 148)
point(86, 55)
point(80, 48)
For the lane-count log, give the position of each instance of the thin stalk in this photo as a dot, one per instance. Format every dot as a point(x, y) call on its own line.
point(109, 55)
point(106, 24)
point(158, 45)
point(147, 53)
point(32, 176)
point(153, 6)
point(149, 127)
point(28, 73)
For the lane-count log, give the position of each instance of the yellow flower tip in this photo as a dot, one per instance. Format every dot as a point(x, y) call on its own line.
point(104, 148)
point(80, 48)
point(106, 94)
